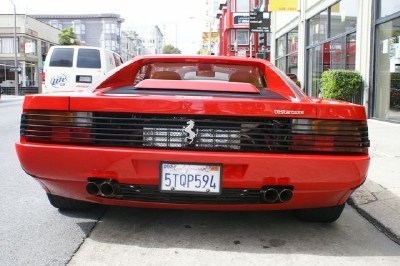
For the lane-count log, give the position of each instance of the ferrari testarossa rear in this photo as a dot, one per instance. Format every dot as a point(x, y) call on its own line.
point(196, 132)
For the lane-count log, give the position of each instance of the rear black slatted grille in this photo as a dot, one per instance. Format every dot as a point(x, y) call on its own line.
point(153, 194)
point(244, 134)
point(207, 133)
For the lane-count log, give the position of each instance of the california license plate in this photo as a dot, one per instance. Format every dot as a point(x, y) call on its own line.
point(190, 178)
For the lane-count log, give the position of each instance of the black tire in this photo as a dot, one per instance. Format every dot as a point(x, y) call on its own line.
point(63, 203)
point(320, 215)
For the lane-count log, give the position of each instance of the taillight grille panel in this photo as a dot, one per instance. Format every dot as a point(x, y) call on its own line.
point(211, 133)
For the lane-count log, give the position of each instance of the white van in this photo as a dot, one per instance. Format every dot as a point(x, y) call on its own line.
point(74, 68)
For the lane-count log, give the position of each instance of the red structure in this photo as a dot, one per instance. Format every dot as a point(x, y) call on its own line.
point(234, 29)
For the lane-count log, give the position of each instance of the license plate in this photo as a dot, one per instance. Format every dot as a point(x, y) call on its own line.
point(190, 178)
point(84, 79)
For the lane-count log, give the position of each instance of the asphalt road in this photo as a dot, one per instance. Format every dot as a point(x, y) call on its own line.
point(32, 231)
point(35, 233)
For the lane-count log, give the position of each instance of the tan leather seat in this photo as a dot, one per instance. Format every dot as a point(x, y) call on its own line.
point(170, 75)
point(245, 77)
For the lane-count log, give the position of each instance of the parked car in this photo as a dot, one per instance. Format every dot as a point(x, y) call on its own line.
point(74, 67)
point(196, 132)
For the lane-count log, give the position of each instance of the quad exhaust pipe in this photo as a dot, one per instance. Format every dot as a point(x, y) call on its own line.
point(270, 195)
point(109, 188)
point(285, 195)
point(276, 195)
point(106, 188)
point(93, 188)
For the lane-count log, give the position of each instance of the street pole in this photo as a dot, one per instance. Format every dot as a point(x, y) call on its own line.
point(209, 43)
point(16, 85)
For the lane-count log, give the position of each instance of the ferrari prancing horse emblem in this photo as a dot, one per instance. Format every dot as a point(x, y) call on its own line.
point(189, 130)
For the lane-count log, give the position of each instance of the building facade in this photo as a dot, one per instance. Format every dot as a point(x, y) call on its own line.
point(131, 45)
point(150, 37)
point(99, 30)
point(235, 36)
point(319, 35)
point(34, 39)
point(360, 35)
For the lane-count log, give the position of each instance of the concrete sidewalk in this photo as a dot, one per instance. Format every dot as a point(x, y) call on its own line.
point(378, 199)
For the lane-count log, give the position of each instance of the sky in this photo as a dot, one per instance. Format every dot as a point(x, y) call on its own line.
point(171, 16)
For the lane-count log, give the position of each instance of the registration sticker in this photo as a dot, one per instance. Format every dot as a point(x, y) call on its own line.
point(190, 178)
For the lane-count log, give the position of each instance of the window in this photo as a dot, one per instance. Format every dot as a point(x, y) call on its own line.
point(79, 27)
point(88, 58)
point(315, 69)
point(281, 46)
point(62, 57)
point(7, 45)
point(55, 24)
point(351, 51)
point(343, 17)
point(281, 63)
point(76, 26)
point(331, 42)
point(317, 28)
point(387, 83)
point(253, 4)
point(30, 46)
point(388, 7)
point(242, 37)
point(286, 52)
point(242, 6)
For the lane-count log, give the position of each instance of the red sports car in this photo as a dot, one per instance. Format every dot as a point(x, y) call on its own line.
point(196, 132)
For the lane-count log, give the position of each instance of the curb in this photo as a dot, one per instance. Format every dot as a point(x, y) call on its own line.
point(380, 207)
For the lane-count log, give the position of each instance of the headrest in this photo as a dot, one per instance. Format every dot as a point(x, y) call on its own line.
point(171, 75)
point(244, 77)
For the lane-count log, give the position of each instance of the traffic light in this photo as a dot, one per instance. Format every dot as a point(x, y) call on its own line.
point(261, 39)
point(43, 58)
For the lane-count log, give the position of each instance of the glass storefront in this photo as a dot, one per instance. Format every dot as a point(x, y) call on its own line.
point(28, 78)
point(387, 72)
point(287, 52)
point(29, 72)
point(7, 76)
point(331, 43)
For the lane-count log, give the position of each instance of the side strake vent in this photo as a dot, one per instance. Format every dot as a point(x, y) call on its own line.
point(211, 133)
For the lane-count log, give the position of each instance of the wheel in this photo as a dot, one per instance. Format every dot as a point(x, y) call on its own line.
point(320, 215)
point(69, 204)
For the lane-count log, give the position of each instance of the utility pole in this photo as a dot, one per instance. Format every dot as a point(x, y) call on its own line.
point(16, 85)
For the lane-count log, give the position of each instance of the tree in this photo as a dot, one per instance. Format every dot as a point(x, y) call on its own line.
point(170, 49)
point(68, 37)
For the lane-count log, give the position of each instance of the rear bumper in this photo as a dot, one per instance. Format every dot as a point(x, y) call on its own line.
point(317, 181)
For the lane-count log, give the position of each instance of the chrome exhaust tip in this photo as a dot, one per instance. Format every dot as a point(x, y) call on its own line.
point(285, 195)
point(107, 189)
point(93, 189)
point(270, 195)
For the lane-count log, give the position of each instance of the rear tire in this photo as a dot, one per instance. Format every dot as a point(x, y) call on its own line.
point(320, 215)
point(63, 203)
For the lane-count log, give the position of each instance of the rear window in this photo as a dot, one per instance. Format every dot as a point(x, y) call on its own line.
point(203, 71)
point(62, 57)
point(88, 58)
